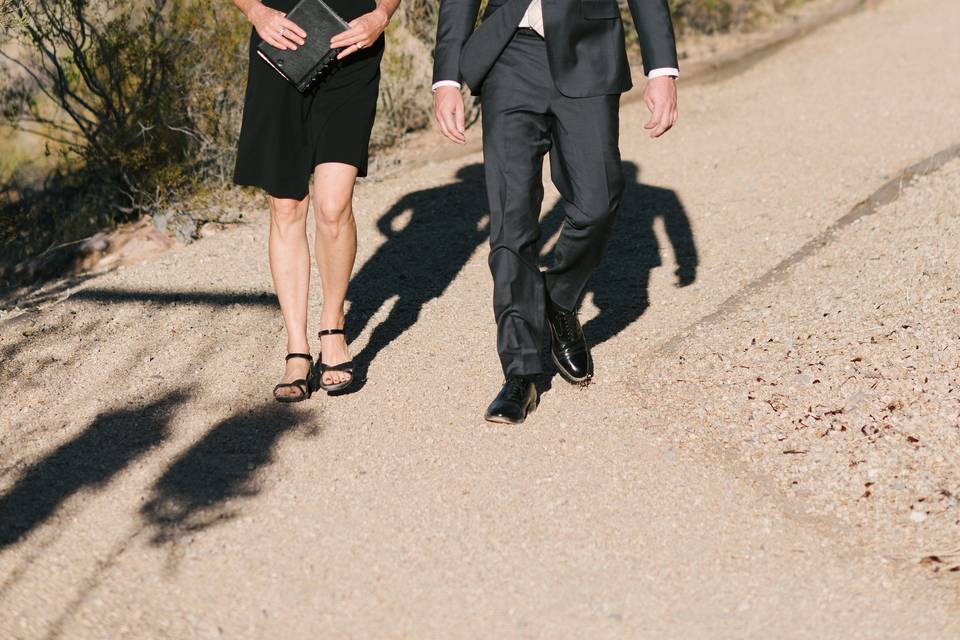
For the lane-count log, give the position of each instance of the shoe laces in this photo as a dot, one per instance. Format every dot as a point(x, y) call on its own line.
point(568, 325)
point(515, 388)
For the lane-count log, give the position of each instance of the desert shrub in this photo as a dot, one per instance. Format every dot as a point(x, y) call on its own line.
point(705, 16)
point(213, 82)
point(141, 101)
point(420, 19)
point(405, 100)
point(99, 82)
point(8, 14)
point(143, 94)
point(721, 16)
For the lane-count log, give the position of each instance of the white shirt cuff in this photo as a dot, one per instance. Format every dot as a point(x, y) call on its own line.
point(445, 83)
point(663, 71)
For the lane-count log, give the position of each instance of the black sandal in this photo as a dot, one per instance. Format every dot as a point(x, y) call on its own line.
point(306, 386)
point(345, 367)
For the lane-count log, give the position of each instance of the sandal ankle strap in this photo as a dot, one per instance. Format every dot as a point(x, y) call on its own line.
point(329, 332)
point(305, 356)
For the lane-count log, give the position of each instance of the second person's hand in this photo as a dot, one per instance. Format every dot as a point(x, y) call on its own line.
point(362, 33)
point(660, 96)
point(448, 107)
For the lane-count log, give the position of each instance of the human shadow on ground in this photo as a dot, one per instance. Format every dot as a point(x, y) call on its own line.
point(619, 284)
point(91, 459)
point(191, 494)
point(418, 261)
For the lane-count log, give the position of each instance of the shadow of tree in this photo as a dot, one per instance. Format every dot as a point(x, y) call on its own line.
point(111, 442)
point(210, 298)
point(223, 465)
point(419, 261)
point(619, 285)
point(32, 296)
point(21, 335)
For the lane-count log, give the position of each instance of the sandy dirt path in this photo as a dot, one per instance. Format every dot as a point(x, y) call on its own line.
point(149, 487)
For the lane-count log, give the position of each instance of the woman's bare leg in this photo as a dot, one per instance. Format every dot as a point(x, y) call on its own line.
point(336, 252)
point(290, 268)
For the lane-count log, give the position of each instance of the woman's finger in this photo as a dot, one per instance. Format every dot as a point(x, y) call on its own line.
point(348, 37)
point(359, 37)
point(275, 41)
point(293, 27)
point(291, 37)
point(348, 50)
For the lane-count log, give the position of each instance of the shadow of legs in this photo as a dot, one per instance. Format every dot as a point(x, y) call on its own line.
point(620, 283)
point(431, 235)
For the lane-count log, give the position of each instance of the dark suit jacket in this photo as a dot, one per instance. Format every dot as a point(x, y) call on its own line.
point(585, 41)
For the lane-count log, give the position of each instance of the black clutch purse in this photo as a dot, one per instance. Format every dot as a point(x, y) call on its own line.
point(307, 64)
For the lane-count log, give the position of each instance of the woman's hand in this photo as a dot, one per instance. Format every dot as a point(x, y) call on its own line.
point(363, 32)
point(274, 28)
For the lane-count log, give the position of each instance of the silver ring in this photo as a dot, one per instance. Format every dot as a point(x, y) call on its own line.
point(282, 31)
point(359, 46)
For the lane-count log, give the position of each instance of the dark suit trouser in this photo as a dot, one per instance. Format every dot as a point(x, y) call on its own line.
point(524, 117)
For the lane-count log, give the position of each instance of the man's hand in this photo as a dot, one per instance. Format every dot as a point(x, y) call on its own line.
point(661, 98)
point(448, 107)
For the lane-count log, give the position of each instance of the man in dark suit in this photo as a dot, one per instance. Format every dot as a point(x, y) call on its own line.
point(549, 74)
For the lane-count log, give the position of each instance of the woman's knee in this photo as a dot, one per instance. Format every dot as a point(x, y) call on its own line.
point(288, 214)
point(332, 210)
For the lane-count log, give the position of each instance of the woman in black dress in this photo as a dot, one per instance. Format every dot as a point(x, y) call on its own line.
point(287, 139)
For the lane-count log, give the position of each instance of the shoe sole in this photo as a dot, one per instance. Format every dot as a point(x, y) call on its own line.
point(301, 398)
point(334, 388)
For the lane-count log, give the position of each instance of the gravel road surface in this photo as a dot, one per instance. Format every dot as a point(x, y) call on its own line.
point(766, 452)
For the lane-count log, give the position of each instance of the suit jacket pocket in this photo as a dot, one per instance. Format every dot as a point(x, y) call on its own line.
point(599, 9)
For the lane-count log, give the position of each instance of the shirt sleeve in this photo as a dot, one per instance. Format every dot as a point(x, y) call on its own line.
point(445, 83)
point(664, 71)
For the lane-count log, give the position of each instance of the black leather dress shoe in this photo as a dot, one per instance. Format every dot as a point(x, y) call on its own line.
point(568, 347)
point(516, 399)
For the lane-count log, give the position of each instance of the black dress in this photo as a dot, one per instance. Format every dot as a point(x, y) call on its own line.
point(286, 134)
